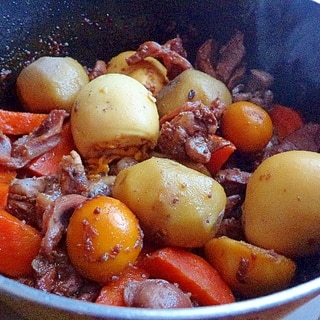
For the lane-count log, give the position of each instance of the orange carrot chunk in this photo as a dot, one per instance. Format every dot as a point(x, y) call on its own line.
point(285, 120)
point(48, 163)
point(19, 245)
point(112, 293)
point(6, 177)
point(220, 156)
point(191, 272)
point(19, 123)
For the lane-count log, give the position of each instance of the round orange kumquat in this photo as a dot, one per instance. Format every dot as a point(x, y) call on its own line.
point(247, 125)
point(103, 238)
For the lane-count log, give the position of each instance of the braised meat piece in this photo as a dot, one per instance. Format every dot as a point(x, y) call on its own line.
point(72, 176)
point(233, 180)
point(56, 219)
point(256, 90)
point(231, 228)
point(99, 69)
point(231, 58)
point(189, 132)
point(171, 54)
point(28, 198)
point(306, 138)
point(23, 198)
point(155, 294)
point(18, 154)
point(55, 274)
point(225, 63)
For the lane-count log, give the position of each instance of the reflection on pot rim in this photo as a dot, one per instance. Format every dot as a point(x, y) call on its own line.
point(294, 297)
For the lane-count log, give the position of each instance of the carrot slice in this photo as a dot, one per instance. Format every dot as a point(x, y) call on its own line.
point(285, 120)
point(48, 163)
point(220, 156)
point(191, 272)
point(112, 293)
point(19, 245)
point(19, 123)
point(6, 177)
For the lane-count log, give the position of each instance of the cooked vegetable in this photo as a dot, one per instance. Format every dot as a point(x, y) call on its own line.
point(249, 270)
point(19, 245)
point(6, 177)
point(281, 210)
point(48, 163)
point(246, 125)
point(91, 245)
point(103, 238)
point(191, 272)
point(19, 123)
point(114, 115)
point(191, 85)
point(219, 157)
point(149, 71)
point(285, 120)
point(112, 293)
point(50, 83)
point(175, 205)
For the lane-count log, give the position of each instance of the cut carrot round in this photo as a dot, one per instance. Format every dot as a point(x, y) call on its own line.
point(19, 245)
point(19, 123)
point(112, 293)
point(285, 120)
point(48, 162)
point(191, 272)
point(6, 177)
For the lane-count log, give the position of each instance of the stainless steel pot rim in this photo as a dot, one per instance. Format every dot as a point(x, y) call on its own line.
point(19, 291)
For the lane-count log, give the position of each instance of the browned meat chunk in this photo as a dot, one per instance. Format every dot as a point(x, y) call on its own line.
point(56, 275)
point(225, 63)
point(55, 220)
point(171, 54)
point(99, 69)
point(155, 294)
point(72, 176)
point(189, 132)
point(230, 58)
point(24, 201)
point(233, 180)
point(28, 147)
point(306, 138)
point(256, 90)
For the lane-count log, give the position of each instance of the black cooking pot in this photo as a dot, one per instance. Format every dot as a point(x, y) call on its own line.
point(281, 37)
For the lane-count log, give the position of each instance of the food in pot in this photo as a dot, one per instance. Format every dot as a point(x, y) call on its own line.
point(191, 85)
point(249, 270)
point(149, 71)
point(247, 125)
point(282, 200)
point(155, 294)
point(103, 238)
point(180, 177)
point(51, 83)
point(175, 205)
point(114, 116)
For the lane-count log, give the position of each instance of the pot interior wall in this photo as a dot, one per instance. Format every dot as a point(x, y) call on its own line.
point(278, 36)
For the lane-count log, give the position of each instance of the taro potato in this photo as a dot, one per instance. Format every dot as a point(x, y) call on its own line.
point(281, 210)
point(191, 85)
point(114, 115)
point(51, 83)
point(175, 205)
point(150, 71)
point(249, 270)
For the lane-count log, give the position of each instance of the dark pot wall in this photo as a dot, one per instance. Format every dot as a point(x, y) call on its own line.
point(281, 36)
